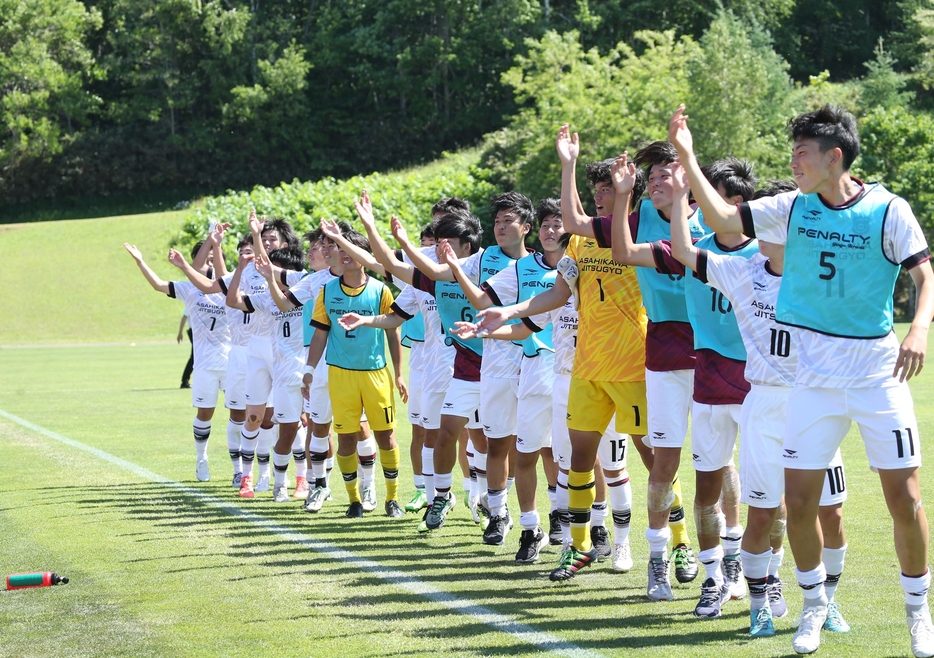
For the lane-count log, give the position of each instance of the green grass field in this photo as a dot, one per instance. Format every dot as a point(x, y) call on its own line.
point(99, 485)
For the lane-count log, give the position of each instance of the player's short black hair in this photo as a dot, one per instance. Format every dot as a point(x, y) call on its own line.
point(245, 239)
point(356, 239)
point(283, 227)
point(451, 204)
point(314, 235)
point(196, 249)
point(288, 258)
point(427, 232)
point(516, 202)
point(656, 153)
point(599, 171)
point(735, 174)
point(457, 226)
point(550, 207)
point(833, 127)
point(774, 187)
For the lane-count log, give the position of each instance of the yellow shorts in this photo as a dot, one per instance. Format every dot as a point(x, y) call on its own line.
point(591, 405)
point(354, 391)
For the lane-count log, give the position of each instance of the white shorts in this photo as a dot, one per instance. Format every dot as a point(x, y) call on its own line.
point(205, 385)
point(462, 399)
point(613, 444)
point(318, 404)
point(499, 397)
point(416, 377)
point(669, 396)
point(288, 404)
point(761, 472)
point(534, 423)
point(713, 435)
point(258, 380)
point(235, 392)
point(429, 408)
point(821, 417)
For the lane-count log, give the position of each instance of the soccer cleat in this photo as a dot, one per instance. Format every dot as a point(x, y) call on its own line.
point(495, 533)
point(237, 478)
point(262, 484)
point(354, 511)
point(572, 561)
point(393, 510)
point(760, 622)
point(201, 470)
point(776, 598)
point(280, 494)
point(554, 529)
point(711, 599)
point(658, 589)
point(685, 563)
point(301, 488)
point(835, 622)
point(316, 499)
point(368, 498)
point(807, 637)
point(600, 539)
point(622, 557)
point(438, 511)
point(733, 575)
point(531, 543)
point(483, 511)
point(419, 501)
point(246, 486)
point(922, 633)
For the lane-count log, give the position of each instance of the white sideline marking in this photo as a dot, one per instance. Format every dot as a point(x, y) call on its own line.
point(485, 615)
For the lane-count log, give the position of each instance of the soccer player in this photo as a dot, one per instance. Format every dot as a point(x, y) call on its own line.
point(358, 378)
point(289, 353)
point(845, 242)
point(752, 286)
point(211, 343)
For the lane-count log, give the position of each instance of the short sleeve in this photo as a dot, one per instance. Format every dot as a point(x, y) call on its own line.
point(726, 273)
point(903, 240)
point(182, 290)
point(665, 262)
point(767, 218)
point(504, 286)
point(406, 304)
point(319, 317)
point(261, 302)
point(471, 266)
point(385, 301)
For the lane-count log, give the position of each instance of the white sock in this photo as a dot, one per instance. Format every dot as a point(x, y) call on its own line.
point(479, 462)
point(497, 501)
point(916, 589)
point(443, 484)
point(428, 472)
point(248, 441)
point(712, 558)
point(598, 514)
point(267, 438)
point(233, 444)
point(552, 498)
point(419, 480)
point(281, 464)
point(202, 432)
point(366, 454)
point(466, 484)
point(812, 585)
point(775, 562)
point(756, 570)
point(299, 455)
point(620, 491)
point(732, 538)
point(529, 520)
point(658, 541)
point(833, 562)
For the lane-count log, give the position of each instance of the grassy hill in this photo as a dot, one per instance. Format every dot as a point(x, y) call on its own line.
point(72, 281)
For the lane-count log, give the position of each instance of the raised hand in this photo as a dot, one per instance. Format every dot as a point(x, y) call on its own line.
point(680, 186)
point(365, 210)
point(398, 231)
point(447, 254)
point(679, 134)
point(217, 235)
point(330, 228)
point(133, 251)
point(264, 267)
point(568, 146)
point(176, 258)
point(623, 173)
point(243, 260)
point(256, 224)
point(351, 321)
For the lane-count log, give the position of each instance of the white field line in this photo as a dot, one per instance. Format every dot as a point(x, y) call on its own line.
point(493, 619)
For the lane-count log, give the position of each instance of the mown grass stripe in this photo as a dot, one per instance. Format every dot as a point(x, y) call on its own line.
point(491, 618)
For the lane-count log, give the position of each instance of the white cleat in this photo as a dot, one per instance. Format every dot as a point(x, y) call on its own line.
point(316, 499)
point(280, 494)
point(807, 637)
point(368, 498)
point(201, 470)
point(922, 633)
point(262, 484)
point(237, 479)
point(622, 557)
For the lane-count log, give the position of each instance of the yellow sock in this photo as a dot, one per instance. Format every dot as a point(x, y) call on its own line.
point(348, 466)
point(676, 520)
point(581, 495)
point(389, 459)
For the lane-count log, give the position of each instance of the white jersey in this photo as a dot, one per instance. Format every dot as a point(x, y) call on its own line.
point(436, 355)
point(207, 315)
point(501, 358)
point(308, 286)
point(831, 361)
point(238, 321)
point(288, 346)
point(563, 334)
point(771, 353)
point(253, 283)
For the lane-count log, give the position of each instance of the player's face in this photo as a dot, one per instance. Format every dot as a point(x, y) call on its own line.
point(604, 196)
point(316, 258)
point(660, 186)
point(272, 240)
point(330, 253)
point(810, 166)
point(246, 250)
point(346, 262)
point(428, 241)
point(461, 248)
point(550, 232)
point(509, 229)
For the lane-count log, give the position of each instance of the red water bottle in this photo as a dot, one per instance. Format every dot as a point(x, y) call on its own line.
point(41, 579)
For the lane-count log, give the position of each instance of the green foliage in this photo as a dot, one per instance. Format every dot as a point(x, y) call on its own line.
point(882, 86)
point(408, 195)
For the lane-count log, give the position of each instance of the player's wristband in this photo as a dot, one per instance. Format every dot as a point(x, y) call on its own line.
point(308, 370)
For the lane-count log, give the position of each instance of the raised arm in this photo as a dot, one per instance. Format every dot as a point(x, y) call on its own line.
point(478, 298)
point(330, 228)
point(913, 349)
point(624, 248)
point(201, 282)
point(495, 317)
point(431, 269)
point(268, 272)
point(718, 214)
point(217, 239)
point(381, 250)
point(157, 284)
point(573, 217)
point(395, 353)
point(234, 296)
point(256, 229)
point(682, 246)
